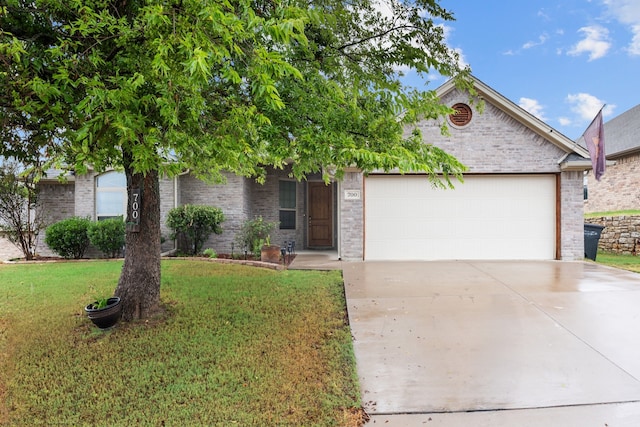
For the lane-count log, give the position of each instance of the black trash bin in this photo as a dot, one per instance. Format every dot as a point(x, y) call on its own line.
point(591, 238)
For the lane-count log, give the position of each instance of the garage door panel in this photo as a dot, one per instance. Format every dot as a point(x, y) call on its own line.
point(487, 217)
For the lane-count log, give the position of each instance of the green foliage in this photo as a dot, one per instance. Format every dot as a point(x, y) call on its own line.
point(108, 235)
point(254, 233)
point(212, 86)
point(100, 303)
point(238, 346)
point(210, 253)
point(195, 223)
point(69, 238)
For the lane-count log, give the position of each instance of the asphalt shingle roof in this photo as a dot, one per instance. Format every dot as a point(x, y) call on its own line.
point(622, 133)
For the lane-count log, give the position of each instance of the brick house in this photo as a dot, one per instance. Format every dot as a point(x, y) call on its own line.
point(522, 197)
point(618, 188)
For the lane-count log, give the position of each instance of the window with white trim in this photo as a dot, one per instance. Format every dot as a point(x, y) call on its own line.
point(287, 205)
point(111, 195)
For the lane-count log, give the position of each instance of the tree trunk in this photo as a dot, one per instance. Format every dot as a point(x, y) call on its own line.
point(139, 284)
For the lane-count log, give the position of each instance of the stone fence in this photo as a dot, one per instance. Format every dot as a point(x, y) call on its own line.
point(621, 234)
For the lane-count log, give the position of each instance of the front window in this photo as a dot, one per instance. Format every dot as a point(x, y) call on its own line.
point(287, 205)
point(111, 195)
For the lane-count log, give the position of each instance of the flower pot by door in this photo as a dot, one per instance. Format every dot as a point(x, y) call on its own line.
point(270, 253)
point(105, 317)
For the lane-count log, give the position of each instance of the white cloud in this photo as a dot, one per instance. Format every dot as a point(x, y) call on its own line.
point(544, 15)
point(627, 12)
point(595, 42)
point(584, 105)
point(541, 40)
point(634, 46)
point(532, 106)
point(564, 121)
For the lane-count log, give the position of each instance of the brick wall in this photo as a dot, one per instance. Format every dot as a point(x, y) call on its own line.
point(241, 199)
point(618, 188)
point(351, 243)
point(78, 199)
point(621, 234)
point(229, 197)
point(265, 202)
point(571, 217)
point(58, 202)
point(494, 142)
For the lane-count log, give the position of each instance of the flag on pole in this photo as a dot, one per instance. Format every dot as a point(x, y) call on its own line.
point(594, 138)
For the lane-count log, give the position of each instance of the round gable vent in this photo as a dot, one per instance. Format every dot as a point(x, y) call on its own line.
point(462, 116)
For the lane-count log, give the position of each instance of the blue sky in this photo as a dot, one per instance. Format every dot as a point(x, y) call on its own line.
point(561, 60)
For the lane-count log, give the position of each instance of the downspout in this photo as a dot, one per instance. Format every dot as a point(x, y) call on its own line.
point(175, 205)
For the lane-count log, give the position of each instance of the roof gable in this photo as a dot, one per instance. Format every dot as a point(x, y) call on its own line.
point(536, 125)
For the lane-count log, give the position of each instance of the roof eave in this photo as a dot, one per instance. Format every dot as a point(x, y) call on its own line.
point(580, 165)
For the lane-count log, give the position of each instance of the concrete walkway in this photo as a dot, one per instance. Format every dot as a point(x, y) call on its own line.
point(496, 343)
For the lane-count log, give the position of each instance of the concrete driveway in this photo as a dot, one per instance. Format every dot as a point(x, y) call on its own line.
point(461, 343)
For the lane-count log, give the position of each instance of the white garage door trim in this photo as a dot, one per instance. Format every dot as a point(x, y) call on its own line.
point(487, 217)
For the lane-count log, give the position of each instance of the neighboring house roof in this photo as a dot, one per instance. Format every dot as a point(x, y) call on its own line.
point(622, 134)
point(488, 94)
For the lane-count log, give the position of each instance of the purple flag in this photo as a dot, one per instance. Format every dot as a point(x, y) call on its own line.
point(594, 137)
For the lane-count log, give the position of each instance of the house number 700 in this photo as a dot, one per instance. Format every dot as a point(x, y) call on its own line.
point(135, 206)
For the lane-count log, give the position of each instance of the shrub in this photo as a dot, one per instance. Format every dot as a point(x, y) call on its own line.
point(254, 233)
point(195, 223)
point(68, 238)
point(210, 253)
point(108, 236)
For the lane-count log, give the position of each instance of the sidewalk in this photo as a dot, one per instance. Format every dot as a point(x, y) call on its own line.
point(316, 260)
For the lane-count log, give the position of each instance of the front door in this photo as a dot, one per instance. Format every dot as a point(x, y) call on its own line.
point(320, 215)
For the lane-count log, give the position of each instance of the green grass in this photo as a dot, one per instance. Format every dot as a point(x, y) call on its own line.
point(611, 213)
point(625, 262)
point(237, 346)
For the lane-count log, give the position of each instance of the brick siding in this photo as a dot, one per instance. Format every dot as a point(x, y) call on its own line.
point(618, 189)
point(58, 203)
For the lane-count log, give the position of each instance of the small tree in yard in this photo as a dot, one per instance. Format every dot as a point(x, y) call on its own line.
point(107, 235)
point(69, 238)
point(21, 216)
point(195, 223)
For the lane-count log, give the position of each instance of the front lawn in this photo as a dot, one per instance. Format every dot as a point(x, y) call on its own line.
point(237, 346)
point(625, 262)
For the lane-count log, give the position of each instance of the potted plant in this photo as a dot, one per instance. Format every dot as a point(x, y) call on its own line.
point(104, 312)
point(269, 252)
point(254, 234)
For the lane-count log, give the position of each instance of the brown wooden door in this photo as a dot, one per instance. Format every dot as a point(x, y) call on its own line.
point(320, 215)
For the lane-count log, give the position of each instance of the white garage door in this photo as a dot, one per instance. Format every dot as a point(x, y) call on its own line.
point(487, 217)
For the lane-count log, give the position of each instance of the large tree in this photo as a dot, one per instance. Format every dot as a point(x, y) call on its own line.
point(160, 86)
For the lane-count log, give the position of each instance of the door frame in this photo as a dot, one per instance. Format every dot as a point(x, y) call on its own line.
point(333, 209)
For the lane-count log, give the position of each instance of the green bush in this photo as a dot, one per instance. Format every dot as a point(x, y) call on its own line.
point(210, 253)
point(108, 236)
point(254, 233)
point(195, 223)
point(68, 238)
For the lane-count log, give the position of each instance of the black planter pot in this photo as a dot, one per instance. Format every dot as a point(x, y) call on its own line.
point(106, 317)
